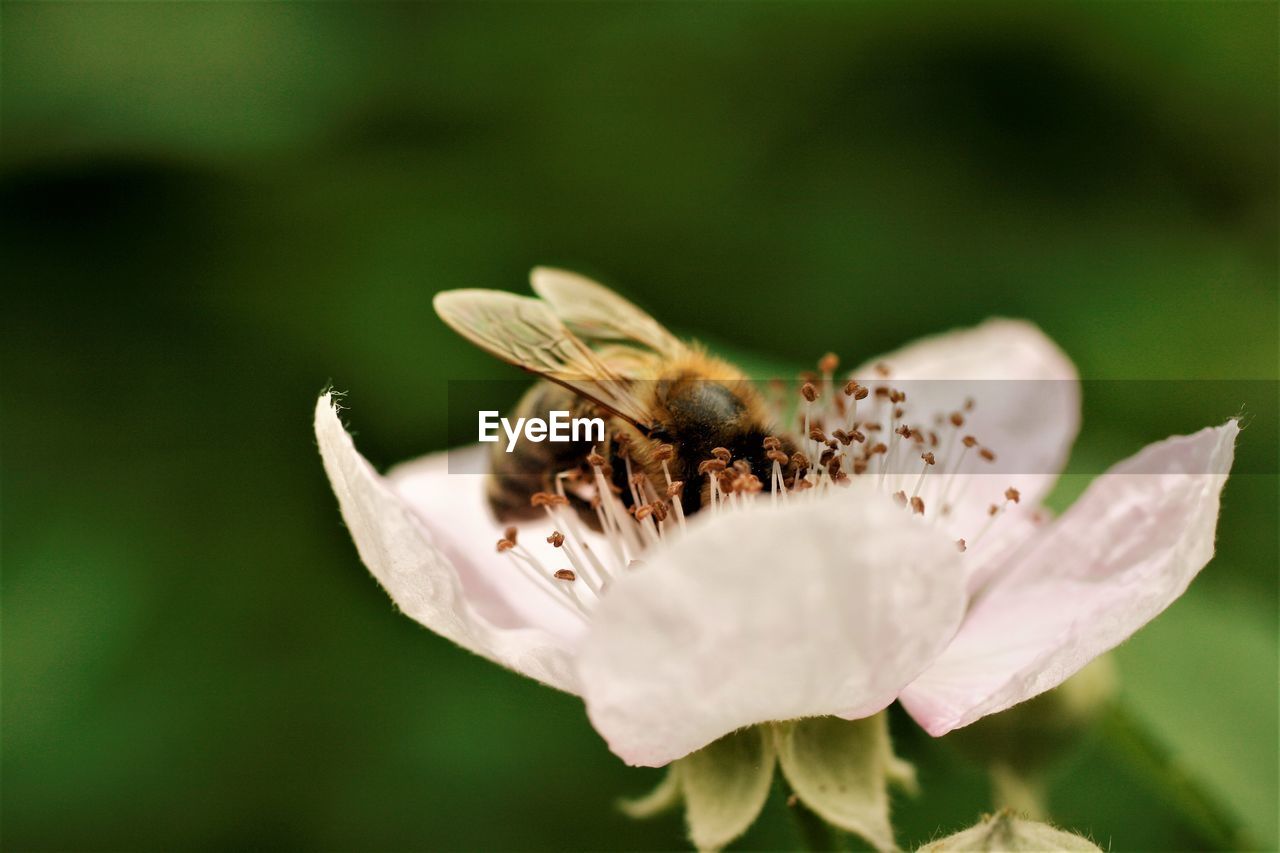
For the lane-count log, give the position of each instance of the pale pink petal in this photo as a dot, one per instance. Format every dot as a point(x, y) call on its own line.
point(447, 491)
point(1026, 408)
point(405, 557)
point(1116, 559)
point(825, 606)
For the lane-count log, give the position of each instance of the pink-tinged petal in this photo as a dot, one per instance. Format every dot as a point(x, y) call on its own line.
point(825, 606)
point(447, 491)
point(1115, 560)
point(1026, 409)
point(405, 557)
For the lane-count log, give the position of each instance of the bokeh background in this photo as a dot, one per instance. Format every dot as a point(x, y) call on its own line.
point(210, 211)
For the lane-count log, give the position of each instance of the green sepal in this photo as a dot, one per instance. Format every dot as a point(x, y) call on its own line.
point(662, 799)
point(841, 770)
point(725, 785)
point(1004, 831)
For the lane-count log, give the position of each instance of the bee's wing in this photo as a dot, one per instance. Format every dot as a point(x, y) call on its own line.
point(528, 334)
point(597, 313)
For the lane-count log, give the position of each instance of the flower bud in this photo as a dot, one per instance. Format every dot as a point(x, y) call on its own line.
point(1005, 832)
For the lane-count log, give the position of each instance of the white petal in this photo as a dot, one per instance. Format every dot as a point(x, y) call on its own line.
point(824, 606)
point(1026, 397)
point(405, 558)
point(1125, 551)
point(447, 491)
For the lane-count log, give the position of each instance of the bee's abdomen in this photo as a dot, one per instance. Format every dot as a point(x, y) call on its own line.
point(531, 466)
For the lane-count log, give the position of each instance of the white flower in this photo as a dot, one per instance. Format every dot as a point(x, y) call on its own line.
point(831, 601)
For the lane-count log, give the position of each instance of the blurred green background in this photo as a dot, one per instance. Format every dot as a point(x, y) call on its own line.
point(210, 211)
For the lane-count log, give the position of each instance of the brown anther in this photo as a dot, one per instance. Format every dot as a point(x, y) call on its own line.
point(879, 448)
point(547, 499)
point(659, 510)
point(968, 404)
point(801, 485)
point(993, 509)
point(857, 436)
point(1012, 494)
point(968, 441)
point(828, 363)
point(638, 479)
point(772, 442)
point(928, 458)
point(960, 546)
point(556, 538)
point(742, 466)
point(872, 427)
point(566, 575)
point(882, 369)
point(663, 452)
point(751, 484)
point(711, 465)
point(987, 454)
point(882, 392)
point(933, 438)
point(856, 391)
point(510, 533)
point(777, 456)
point(841, 436)
point(896, 396)
point(722, 453)
point(643, 511)
point(900, 498)
point(816, 434)
point(826, 457)
point(859, 466)
point(904, 431)
point(917, 505)
point(505, 545)
point(675, 488)
point(957, 420)
point(799, 460)
point(595, 459)
point(841, 478)
point(809, 392)
point(898, 412)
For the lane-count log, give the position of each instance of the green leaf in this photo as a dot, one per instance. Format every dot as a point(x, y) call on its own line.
point(725, 786)
point(663, 798)
point(841, 770)
point(1005, 832)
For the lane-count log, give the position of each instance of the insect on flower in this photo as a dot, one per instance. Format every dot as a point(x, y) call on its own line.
point(892, 547)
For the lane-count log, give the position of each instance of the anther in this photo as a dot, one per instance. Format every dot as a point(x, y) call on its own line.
point(722, 453)
point(1012, 494)
point(828, 363)
point(987, 454)
point(856, 391)
point(993, 510)
point(799, 460)
point(896, 396)
point(711, 465)
point(556, 538)
point(595, 459)
point(928, 458)
point(511, 533)
point(968, 441)
point(809, 392)
point(816, 434)
point(960, 546)
point(917, 505)
point(675, 488)
point(882, 369)
point(663, 452)
point(566, 575)
point(777, 456)
point(772, 442)
point(505, 545)
point(957, 420)
point(900, 498)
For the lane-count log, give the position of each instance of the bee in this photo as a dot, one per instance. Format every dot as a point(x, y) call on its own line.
point(672, 411)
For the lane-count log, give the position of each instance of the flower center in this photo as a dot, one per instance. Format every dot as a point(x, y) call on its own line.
point(917, 459)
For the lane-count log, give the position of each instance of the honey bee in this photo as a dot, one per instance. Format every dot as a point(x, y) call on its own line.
point(672, 411)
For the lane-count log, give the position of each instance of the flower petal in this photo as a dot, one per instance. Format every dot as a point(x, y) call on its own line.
point(826, 606)
point(1116, 559)
point(406, 559)
point(447, 491)
point(1026, 396)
